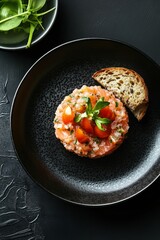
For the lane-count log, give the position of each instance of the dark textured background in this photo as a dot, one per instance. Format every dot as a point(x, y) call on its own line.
point(26, 210)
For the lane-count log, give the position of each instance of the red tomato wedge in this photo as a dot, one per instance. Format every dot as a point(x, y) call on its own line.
point(87, 125)
point(102, 134)
point(81, 136)
point(93, 100)
point(68, 115)
point(106, 112)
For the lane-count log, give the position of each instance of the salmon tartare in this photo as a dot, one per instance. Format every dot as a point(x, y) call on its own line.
point(91, 122)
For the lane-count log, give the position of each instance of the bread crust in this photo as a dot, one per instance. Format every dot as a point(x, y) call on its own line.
point(127, 85)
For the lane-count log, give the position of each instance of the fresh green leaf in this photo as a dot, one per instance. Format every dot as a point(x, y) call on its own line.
point(100, 104)
point(103, 120)
point(79, 117)
point(99, 125)
point(99, 121)
point(28, 6)
point(20, 4)
point(10, 24)
point(89, 105)
point(10, 16)
point(36, 5)
point(10, 8)
point(93, 113)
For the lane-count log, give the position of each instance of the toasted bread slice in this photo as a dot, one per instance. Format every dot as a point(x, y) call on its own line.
point(127, 85)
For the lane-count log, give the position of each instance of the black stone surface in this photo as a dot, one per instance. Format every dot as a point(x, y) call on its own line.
point(26, 210)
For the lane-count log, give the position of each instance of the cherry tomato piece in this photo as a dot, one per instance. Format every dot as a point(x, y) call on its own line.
point(93, 100)
point(106, 112)
point(81, 136)
point(102, 134)
point(68, 115)
point(81, 109)
point(87, 125)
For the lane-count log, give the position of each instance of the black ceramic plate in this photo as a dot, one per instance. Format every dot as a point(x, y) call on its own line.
point(126, 172)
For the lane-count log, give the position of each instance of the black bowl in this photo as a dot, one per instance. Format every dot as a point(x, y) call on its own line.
point(13, 40)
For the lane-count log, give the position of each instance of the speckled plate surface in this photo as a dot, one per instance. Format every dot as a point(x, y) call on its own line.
point(123, 174)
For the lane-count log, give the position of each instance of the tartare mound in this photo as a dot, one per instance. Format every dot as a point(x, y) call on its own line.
point(91, 122)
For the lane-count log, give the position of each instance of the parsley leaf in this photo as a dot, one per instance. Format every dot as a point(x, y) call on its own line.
point(99, 121)
point(100, 104)
point(93, 113)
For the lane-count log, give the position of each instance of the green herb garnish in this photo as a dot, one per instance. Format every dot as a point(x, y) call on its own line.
point(93, 113)
point(18, 15)
point(116, 103)
point(71, 132)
